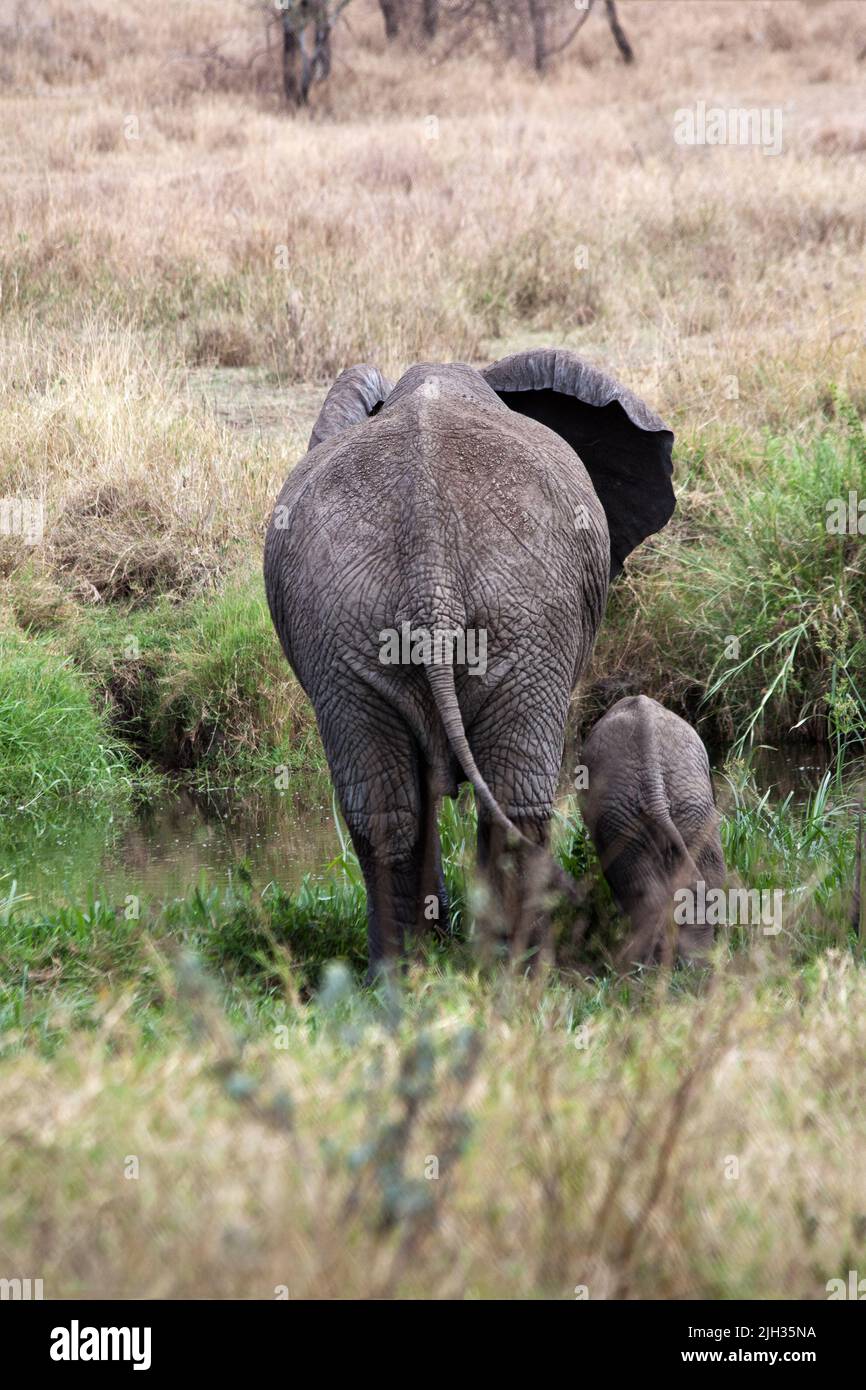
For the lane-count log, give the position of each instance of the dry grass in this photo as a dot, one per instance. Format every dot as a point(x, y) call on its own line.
point(703, 1148)
point(723, 284)
point(701, 262)
point(143, 491)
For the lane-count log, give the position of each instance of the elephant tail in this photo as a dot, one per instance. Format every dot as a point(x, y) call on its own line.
point(441, 678)
point(675, 856)
point(668, 844)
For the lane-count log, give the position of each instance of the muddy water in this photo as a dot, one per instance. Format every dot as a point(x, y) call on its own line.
point(160, 853)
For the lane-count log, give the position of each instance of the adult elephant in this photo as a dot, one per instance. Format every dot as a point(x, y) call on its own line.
point(486, 509)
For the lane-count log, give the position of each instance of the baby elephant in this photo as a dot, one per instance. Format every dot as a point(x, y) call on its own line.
point(650, 810)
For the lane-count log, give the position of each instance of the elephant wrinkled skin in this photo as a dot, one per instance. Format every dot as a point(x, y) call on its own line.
point(650, 810)
point(495, 503)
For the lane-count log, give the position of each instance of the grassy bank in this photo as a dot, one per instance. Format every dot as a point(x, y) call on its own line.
point(745, 615)
point(110, 699)
point(262, 944)
point(53, 745)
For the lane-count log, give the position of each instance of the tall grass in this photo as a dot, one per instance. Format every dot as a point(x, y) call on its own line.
point(146, 492)
point(259, 940)
point(455, 1141)
point(300, 245)
point(53, 745)
point(747, 612)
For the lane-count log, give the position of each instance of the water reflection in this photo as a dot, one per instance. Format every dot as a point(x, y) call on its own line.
point(793, 768)
point(160, 852)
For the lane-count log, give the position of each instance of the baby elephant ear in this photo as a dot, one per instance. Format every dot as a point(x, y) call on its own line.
point(357, 393)
point(624, 446)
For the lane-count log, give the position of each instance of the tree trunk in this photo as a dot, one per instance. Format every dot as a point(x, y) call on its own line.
point(321, 64)
point(391, 14)
point(618, 32)
point(537, 17)
point(292, 63)
point(430, 17)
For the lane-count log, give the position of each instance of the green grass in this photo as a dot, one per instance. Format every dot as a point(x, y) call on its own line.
point(53, 743)
point(463, 1132)
point(260, 943)
point(747, 612)
point(462, 1137)
point(199, 688)
point(55, 963)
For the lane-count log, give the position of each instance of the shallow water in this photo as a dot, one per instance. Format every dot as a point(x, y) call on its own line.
point(797, 768)
point(160, 853)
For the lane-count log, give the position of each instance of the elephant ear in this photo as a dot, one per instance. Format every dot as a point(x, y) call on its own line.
point(357, 393)
point(624, 446)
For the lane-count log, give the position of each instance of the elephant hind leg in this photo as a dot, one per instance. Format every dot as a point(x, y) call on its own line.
point(516, 916)
point(433, 906)
point(393, 887)
point(383, 790)
point(517, 742)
